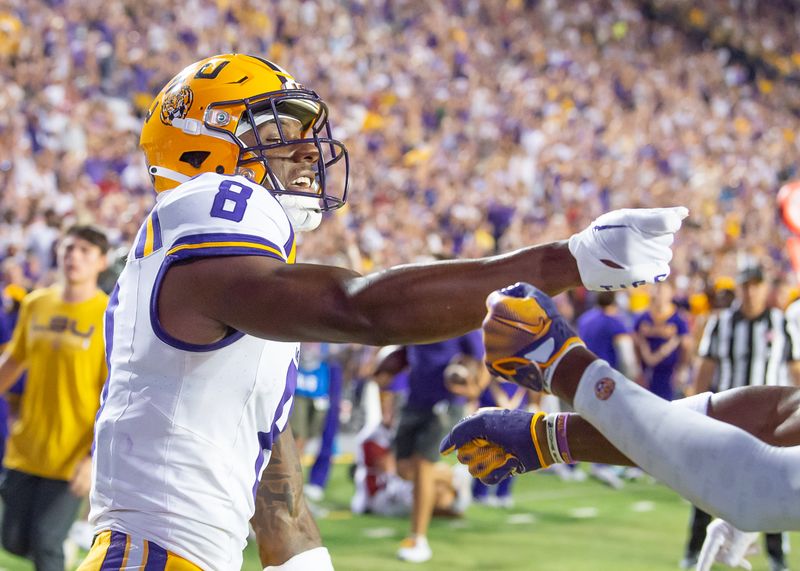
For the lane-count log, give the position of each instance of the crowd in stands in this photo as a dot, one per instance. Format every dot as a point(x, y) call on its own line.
point(473, 127)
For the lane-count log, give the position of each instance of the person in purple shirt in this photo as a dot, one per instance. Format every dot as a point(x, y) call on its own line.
point(662, 338)
point(441, 376)
point(606, 332)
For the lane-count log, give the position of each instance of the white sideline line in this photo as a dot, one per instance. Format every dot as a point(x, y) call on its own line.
point(584, 513)
point(521, 519)
point(379, 532)
point(643, 506)
point(557, 495)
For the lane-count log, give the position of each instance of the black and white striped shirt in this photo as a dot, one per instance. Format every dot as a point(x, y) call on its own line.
point(750, 351)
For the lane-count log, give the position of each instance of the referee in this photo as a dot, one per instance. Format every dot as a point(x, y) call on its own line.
point(747, 344)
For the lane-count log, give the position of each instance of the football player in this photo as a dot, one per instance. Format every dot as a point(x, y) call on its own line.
point(204, 325)
point(735, 454)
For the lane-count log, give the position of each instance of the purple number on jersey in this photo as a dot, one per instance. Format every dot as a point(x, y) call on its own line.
point(231, 192)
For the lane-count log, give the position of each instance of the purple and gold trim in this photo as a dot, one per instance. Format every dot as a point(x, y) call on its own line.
point(223, 244)
point(149, 238)
point(267, 439)
point(108, 333)
point(118, 551)
point(206, 246)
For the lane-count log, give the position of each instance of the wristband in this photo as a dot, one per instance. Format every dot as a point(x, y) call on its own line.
point(556, 425)
point(317, 559)
point(550, 429)
point(561, 437)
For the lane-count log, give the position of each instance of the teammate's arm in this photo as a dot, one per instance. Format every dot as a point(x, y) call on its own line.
point(10, 371)
point(685, 449)
point(283, 523)
point(771, 414)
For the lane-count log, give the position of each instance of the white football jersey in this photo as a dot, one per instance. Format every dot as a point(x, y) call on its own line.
point(185, 431)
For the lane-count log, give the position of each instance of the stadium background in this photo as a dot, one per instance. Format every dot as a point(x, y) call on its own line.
point(473, 127)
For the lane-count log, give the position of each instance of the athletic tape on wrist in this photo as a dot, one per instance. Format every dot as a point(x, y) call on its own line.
point(547, 376)
point(552, 444)
point(317, 559)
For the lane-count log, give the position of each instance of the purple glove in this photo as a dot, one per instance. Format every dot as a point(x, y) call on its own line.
point(496, 443)
point(525, 336)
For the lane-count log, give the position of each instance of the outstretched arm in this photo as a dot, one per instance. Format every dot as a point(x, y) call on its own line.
point(200, 301)
point(691, 452)
point(283, 523)
point(308, 302)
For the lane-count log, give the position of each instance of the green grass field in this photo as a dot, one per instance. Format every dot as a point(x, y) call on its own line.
point(554, 526)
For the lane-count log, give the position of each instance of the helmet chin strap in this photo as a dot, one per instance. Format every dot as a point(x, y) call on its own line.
point(303, 211)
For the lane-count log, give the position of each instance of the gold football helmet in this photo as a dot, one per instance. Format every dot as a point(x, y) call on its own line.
point(209, 118)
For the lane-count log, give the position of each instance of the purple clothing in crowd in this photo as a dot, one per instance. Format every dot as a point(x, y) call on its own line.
point(598, 330)
point(427, 364)
point(659, 378)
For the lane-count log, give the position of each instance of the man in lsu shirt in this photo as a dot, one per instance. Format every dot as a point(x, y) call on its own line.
point(58, 340)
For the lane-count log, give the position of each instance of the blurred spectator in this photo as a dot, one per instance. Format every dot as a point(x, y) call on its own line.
point(320, 469)
point(311, 397)
point(59, 341)
point(440, 377)
point(607, 332)
point(381, 491)
point(664, 345)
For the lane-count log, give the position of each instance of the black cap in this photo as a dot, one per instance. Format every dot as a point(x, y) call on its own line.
point(750, 274)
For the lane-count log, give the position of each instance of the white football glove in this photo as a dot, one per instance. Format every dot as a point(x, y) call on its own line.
point(727, 545)
point(627, 248)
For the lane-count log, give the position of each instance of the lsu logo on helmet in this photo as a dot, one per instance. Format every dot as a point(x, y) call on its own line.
point(177, 103)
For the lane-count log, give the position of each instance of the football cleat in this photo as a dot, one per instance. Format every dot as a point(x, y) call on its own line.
point(525, 336)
